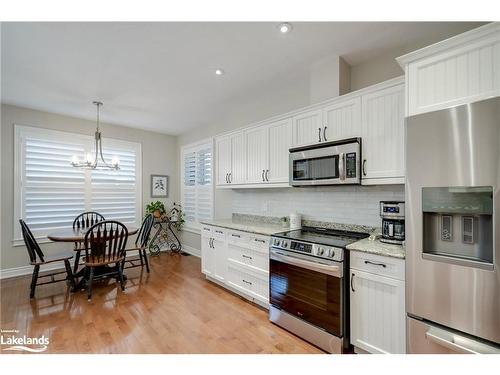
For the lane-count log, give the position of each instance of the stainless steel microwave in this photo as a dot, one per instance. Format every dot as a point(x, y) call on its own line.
point(329, 163)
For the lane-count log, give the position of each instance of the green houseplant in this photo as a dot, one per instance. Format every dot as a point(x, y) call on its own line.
point(156, 208)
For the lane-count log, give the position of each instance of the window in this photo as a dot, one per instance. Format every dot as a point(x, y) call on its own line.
point(50, 193)
point(197, 183)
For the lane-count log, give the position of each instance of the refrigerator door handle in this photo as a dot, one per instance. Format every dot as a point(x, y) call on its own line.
point(456, 343)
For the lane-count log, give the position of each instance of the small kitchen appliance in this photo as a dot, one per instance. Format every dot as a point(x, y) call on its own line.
point(308, 289)
point(327, 163)
point(393, 222)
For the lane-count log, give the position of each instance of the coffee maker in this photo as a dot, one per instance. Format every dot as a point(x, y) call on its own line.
point(393, 222)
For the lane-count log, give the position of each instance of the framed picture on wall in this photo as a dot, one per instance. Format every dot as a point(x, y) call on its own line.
point(159, 186)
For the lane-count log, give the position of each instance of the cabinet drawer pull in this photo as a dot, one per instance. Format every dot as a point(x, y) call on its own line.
point(319, 134)
point(246, 256)
point(256, 239)
point(376, 264)
point(236, 235)
point(364, 167)
point(324, 134)
point(219, 231)
point(352, 279)
point(207, 229)
point(246, 282)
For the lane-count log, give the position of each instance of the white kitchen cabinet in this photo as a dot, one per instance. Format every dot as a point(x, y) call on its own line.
point(280, 141)
point(308, 127)
point(342, 119)
point(382, 135)
point(377, 303)
point(231, 159)
point(223, 159)
point(238, 159)
point(213, 252)
point(459, 70)
point(207, 252)
point(257, 154)
point(238, 261)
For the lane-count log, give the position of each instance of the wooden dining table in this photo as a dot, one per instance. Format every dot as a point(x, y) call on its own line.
point(77, 235)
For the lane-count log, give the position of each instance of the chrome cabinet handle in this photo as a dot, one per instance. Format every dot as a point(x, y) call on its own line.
point(324, 133)
point(267, 175)
point(219, 231)
point(235, 235)
point(263, 171)
point(247, 282)
point(256, 239)
point(227, 181)
point(246, 256)
point(376, 264)
point(364, 167)
point(230, 177)
point(352, 279)
point(211, 243)
point(319, 134)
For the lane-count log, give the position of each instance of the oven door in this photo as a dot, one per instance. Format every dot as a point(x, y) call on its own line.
point(307, 290)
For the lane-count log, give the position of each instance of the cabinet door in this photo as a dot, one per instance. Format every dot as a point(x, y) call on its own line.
point(220, 261)
point(383, 135)
point(280, 141)
point(223, 154)
point(342, 120)
point(377, 313)
point(257, 154)
point(238, 159)
point(307, 128)
point(207, 255)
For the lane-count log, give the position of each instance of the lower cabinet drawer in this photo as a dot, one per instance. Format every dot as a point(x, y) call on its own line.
point(378, 264)
point(248, 256)
point(253, 284)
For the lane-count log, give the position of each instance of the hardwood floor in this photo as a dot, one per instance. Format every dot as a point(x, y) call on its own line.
point(171, 310)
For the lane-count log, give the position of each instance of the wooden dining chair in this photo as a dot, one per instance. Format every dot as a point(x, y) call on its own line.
point(104, 245)
point(141, 243)
point(37, 258)
point(84, 221)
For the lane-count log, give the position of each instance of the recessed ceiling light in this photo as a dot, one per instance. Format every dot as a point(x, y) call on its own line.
point(219, 72)
point(285, 27)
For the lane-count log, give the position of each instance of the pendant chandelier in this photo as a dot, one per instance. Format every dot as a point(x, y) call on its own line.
point(96, 160)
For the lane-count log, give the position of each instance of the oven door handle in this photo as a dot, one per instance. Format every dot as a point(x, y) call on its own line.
point(336, 271)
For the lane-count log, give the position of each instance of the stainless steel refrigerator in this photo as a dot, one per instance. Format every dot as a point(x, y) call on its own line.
point(453, 230)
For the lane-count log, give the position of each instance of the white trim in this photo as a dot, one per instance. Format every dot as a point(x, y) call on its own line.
point(191, 250)
point(191, 229)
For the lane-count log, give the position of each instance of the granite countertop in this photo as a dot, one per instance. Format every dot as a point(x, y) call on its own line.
point(368, 245)
point(256, 227)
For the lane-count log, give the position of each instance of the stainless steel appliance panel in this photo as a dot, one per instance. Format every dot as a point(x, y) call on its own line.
point(458, 147)
point(425, 338)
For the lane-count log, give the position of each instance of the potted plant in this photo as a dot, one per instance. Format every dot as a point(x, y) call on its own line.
point(156, 208)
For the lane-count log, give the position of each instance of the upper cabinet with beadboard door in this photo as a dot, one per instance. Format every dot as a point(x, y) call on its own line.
point(382, 134)
point(237, 175)
point(459, 70)
point(342, 119)
point(257, 146)
point(223, 159)
point(308, 128)
point(280, 141)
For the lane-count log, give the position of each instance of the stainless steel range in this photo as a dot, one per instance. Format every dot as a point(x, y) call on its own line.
point(308, 292)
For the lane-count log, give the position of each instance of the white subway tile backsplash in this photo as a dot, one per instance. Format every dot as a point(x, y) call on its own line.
point(342, 204)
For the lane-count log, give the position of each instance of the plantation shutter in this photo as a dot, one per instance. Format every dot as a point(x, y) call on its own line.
point(50, 193)
point(197, 188)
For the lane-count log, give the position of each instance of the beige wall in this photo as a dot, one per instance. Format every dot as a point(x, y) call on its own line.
point(159, 156)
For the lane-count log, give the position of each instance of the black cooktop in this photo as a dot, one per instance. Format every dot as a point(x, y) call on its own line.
point(321, 236)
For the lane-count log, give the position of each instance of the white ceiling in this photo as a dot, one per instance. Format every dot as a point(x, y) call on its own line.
point(160, 76)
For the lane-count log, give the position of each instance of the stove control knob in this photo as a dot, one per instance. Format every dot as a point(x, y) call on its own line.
point(284, 244)
point(331, 253)
point(276, 242)
point(321, 251)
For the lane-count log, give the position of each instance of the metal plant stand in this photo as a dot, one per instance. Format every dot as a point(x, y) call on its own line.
point(164, 237)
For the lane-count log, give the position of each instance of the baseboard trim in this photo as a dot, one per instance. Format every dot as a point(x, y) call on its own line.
point(9, 273)
point(191, 250)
